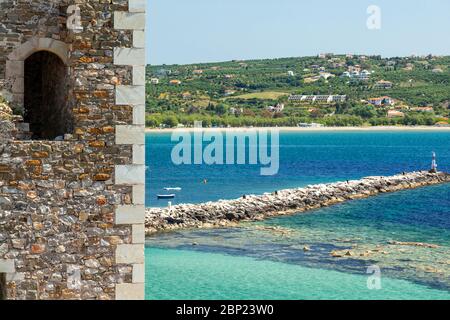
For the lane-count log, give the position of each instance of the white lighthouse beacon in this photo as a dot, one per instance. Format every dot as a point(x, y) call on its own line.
point(433, 164)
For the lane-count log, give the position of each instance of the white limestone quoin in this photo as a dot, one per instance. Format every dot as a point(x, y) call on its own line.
point(132, 174)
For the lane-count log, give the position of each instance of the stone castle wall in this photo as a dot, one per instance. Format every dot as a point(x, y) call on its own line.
point(72, 211)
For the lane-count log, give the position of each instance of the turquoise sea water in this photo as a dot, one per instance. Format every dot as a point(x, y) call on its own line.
point(267, 260)
point(192, 275)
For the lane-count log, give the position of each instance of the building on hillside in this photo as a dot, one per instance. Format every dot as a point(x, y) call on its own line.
point(355, 75)
point(197, 72)
point(337, 99)
point(382, 84)
point(437, 70)
point(163, 72)
point(409, 67)
point(326, 75)
point(423, 109)
point(175, 82)
point(291, 73)
point(310, 125)
point(154, 81)
point(336, 65)
point(325, 55)
point(229, 92)
point(364, 75)
point(354, 68)
point(277, 108)
point(395, 114)
point(323, 99)
point(381, 101)
point(187, 95)
point(236, 111)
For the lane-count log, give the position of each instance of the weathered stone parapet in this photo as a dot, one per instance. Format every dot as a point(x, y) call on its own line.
point(254, 208)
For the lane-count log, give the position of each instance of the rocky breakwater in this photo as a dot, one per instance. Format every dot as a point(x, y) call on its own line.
point(254, 208)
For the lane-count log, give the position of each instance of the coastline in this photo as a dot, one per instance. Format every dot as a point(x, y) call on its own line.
point(229, 213)
point(301, 129)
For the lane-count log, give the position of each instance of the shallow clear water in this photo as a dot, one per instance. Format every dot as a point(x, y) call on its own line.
point(191, 275)
point(267, 260)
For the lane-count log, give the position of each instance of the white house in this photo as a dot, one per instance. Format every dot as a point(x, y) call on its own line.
point(277, 108)
point(323, 99)
point(326, 75)
point(395, 114)
point(381, 101)
point(382, 84)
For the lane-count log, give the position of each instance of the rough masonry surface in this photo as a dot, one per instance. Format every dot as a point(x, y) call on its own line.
point(71, 221)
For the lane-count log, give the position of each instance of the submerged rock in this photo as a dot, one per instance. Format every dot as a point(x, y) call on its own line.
point(414, 244)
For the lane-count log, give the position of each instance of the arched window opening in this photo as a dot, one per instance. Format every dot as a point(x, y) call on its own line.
point(46, 103)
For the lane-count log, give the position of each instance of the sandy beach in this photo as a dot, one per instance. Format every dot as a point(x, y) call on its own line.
point(301, 129)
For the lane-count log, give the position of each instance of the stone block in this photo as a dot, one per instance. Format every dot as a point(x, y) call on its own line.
point(18, 85)
point(138, 232)
point(14, 69)
point(139, 75)
point(139, 39)
point(130, 174)
point(138, 194)
point(139, 115)
point(130, 135)
point(139, 154)
point(130, 215)
point(137, 5)
point(129, 20)
point(139, 273)
point(129, 56)
point(130, 253)
point(130, 95)
point(130, 291)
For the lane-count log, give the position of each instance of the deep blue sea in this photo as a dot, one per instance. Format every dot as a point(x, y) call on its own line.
point(268, 260)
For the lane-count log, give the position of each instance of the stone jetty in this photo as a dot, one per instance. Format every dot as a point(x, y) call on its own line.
point(225, 213)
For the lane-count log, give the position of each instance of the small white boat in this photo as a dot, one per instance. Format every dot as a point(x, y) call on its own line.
point(166, 196)
point(173, 189)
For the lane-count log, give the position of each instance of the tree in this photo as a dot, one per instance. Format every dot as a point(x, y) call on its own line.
point(170, 121)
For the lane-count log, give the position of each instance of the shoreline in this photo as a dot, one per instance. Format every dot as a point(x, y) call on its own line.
point(251, 208)
point(301, 129)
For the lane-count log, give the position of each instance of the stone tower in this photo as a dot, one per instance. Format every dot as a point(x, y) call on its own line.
point(72, 170)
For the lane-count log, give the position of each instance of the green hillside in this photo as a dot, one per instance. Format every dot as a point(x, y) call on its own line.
point(240, 93)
